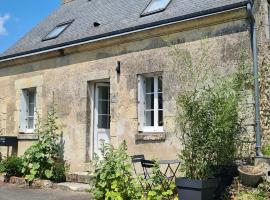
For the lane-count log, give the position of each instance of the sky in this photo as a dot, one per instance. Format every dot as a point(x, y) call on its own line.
point(17, 17)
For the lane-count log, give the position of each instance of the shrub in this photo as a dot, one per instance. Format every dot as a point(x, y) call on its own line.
point(59, 171)
point(266, 150)
point(211, 126)
point(113, 178)
point(160, 187)
point(40, 160)
point(2, 167)
point(13, 166)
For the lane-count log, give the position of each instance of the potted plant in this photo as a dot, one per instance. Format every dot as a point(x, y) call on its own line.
point(210, 126)
point(250, 176)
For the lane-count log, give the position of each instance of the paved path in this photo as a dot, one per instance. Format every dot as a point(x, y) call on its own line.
point(11, 192)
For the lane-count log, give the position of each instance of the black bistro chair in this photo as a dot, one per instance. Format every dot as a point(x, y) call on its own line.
point(136, 159)
point(147, 165)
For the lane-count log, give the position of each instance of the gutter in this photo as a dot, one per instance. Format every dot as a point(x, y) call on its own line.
point(127, 31)
point(253, 33)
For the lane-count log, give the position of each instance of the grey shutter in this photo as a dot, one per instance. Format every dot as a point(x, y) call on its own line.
point(141, 102)
point(23, 111)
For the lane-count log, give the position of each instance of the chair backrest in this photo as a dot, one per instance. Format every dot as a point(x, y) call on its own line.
point(137, 158)
point(147, 163)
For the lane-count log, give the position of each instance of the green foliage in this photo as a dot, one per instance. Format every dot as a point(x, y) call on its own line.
point(2, 166)
point(41, 159)
point(113, 175)
point(211, 125)
point(114, 178)
point(58, 172)
point(160, 187)
point(266, 150)
point(262, 192)
point(12, 166)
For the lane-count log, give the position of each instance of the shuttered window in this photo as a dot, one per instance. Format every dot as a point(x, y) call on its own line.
point(27, 110)
point(150, 103)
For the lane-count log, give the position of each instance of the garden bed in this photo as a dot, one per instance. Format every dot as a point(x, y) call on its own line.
point(38, 183)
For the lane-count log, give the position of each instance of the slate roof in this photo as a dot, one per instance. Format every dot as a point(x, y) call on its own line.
point(115, 16)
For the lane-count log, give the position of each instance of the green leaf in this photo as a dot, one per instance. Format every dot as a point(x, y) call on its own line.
point(48, 173)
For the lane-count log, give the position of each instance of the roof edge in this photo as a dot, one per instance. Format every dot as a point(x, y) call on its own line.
point(125, 31)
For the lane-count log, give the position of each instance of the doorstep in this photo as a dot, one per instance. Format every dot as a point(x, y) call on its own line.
point(79, 177)
point(72, 186)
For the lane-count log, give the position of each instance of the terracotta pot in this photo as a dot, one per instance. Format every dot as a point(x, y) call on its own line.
point(250, 176)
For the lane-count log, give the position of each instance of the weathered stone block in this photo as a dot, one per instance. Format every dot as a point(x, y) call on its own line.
point(17, 180)
point(39, 183)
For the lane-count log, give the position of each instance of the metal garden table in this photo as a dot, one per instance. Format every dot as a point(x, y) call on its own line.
point(169, 169)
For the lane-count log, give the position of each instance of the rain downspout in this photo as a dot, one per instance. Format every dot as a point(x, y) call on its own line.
point(256, 76)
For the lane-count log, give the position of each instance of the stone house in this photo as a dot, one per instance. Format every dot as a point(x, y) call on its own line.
point(110, 67)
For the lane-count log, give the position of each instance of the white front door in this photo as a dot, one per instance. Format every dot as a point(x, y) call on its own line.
point(101, 116)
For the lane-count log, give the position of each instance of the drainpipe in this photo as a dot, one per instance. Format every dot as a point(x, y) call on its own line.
point(256, 76)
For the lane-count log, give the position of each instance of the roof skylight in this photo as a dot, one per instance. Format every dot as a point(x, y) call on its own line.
point(57, 31)
point(155, 6)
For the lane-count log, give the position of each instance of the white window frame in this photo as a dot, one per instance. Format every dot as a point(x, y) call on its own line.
point(142, 105)
point(24, 111)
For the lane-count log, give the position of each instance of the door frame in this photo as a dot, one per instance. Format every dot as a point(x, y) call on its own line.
point(92, 93)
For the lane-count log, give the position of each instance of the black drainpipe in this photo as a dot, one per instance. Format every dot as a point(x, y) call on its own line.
point(253, 33)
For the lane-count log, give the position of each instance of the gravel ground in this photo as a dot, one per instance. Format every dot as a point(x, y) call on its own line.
point(12, 192)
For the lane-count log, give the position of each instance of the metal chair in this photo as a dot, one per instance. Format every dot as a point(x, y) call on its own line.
point(146, 165)
point(136, 159)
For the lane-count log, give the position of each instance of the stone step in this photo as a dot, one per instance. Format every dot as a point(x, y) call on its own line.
point(71, 186)
point(79, 177)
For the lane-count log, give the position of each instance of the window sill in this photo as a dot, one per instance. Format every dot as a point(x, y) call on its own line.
point(27, 136)
point(151, 137)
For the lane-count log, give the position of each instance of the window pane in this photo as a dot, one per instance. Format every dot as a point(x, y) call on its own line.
point(160, 84)
point(31, 111)
point(57, 31)
point(156, 5)
point(104, 121)
point(160, 100)
point(149, 101)
point(103, 92)
point(160, 118)
point(149, 84)
point(103, 107)
point(32, 97)
point(30, 122)
point(149, 118)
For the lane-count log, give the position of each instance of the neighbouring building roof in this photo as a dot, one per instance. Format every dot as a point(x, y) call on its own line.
point(97, 19)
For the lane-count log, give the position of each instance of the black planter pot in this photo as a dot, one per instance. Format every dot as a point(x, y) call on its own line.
point(189, 189)
point(225, 175)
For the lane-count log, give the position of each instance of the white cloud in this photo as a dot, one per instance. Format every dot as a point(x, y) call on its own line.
point(3, 20)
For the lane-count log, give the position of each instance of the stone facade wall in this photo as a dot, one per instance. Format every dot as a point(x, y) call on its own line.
point(69, 77)
point(262, 19)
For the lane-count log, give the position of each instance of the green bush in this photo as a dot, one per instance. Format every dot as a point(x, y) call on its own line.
point(13, 166)
point(211, 126)
point(2, 167)
point(266, 150)
point(59, 171)
point(160, 187)
point(113, 177)
point(40, 160)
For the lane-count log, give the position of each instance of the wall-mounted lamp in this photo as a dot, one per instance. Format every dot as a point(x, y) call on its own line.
point(118, 67)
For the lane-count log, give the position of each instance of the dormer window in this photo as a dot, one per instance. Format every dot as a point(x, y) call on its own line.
point(155, 6)
point(60, 28)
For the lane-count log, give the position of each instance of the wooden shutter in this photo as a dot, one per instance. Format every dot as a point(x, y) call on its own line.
point(23, 111)
point(141, 102)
